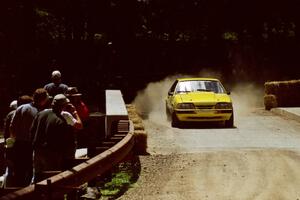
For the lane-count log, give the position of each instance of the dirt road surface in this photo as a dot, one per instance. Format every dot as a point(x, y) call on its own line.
point(259, 159)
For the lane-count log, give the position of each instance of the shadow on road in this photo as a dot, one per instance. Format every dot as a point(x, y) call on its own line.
point(204, 125)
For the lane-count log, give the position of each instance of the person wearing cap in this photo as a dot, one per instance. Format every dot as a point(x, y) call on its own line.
point(71, 116)
point(53, 137)
point(56, 86)
point(75, 98)
point(83, 136)
point(13, 107)
point(20, 131)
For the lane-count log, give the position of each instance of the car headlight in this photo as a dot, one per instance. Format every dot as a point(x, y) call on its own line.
point(223, 106)
point(185, 106)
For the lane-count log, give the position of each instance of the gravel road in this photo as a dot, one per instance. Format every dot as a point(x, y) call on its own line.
point(259, 159)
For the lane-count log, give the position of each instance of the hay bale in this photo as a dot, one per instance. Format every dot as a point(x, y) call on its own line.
point(270, 101)
point(140, 135)
point(136, 120)
point(290, 93)
point(296, 86)
point(138, 126)
point(140, 146)
point(132, 112)
point(287, 92)
point(271, 87)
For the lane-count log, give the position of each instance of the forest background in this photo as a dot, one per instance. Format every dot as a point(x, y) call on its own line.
point(115, 44)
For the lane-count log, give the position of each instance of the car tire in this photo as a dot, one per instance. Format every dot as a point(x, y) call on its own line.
point(168, 115)
point(230, 123)
point(175, 121)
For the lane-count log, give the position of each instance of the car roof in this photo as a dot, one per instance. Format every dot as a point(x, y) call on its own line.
point(197, 79)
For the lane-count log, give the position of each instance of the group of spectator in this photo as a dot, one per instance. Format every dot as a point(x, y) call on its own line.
point(40, 132)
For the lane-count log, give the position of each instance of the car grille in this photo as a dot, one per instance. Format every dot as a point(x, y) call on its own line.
point(204, 106)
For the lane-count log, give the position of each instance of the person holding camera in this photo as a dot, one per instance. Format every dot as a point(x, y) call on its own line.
point(53, 137)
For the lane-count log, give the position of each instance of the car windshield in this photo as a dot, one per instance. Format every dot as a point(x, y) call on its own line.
point(199, 85)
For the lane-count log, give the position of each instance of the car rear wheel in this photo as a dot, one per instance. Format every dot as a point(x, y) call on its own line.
point(230, 123)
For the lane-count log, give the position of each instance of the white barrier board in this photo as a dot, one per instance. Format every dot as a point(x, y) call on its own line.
point(115, 110)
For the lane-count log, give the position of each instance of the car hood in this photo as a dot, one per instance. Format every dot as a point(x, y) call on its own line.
point(203, 97)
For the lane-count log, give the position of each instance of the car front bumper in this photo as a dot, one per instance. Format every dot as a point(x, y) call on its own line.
point(204, 115)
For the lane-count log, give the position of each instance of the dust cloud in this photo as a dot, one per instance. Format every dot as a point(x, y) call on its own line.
point(246, 97)
point(150, 102)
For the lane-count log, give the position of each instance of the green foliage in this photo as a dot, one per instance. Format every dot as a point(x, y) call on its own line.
point(41, 13)
point(232, 36)
point(121, 180)
point(161, 37)
point(48, 26)
point(110, 191)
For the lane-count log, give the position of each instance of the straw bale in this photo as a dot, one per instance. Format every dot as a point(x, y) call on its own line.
point(138, 126)
point(140, 146)
point(287, 92)
point(136, 120)
point(271, 87)
point(140, 135)
point(132, 111)
point(270, 101)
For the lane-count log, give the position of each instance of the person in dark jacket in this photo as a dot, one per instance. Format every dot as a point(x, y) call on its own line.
point(56, 86)
point(53, 138)
point(10, 155)
point(7, 120)
point(20, 131)
point(24, 99)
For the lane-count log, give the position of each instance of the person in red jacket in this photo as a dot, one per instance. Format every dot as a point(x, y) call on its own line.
point(75, 99)
point(82, 136)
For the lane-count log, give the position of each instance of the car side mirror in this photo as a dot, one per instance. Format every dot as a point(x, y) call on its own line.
point(170, 93)
point(228, 93)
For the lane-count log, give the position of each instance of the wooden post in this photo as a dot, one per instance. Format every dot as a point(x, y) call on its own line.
point(49, 190)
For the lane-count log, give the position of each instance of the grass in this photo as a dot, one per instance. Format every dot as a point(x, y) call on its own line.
point(126, 173)
point(112, 185)
point(120, 180)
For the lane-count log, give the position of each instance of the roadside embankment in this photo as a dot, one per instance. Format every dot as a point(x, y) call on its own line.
point(290, 112)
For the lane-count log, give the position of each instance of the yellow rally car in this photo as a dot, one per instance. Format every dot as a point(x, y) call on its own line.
point(199, 99)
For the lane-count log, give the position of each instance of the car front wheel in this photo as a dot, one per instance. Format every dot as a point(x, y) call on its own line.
point(230, 123)
point(168, 115)
point(175, 121)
